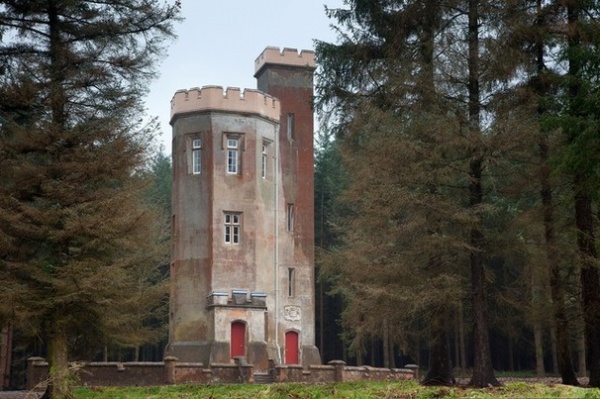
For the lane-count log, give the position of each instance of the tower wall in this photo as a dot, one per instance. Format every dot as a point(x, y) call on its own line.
point(201, 262)
point(259, 279)
point(288, 76)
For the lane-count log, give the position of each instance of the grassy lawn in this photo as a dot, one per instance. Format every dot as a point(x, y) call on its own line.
point(360, 390)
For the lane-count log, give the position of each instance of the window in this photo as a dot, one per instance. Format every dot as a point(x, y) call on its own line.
point(290, 217)
point(232, 228)
point(290, 126)
point(196, 156)
point(291, 281)
point(233, 155)
point(264, 161)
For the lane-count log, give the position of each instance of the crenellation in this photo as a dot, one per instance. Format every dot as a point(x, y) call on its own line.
point(234, 92)
point(288, 56)
point(232, 99)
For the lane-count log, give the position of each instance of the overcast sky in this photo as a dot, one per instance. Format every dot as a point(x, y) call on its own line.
point(219, 40)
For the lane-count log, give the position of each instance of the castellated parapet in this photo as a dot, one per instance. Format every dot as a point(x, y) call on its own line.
point(289, 56)
point(232, 100)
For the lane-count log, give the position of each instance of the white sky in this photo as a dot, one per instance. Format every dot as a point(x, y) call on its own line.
point(219, 40)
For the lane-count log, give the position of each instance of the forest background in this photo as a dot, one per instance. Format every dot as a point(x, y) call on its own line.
point(457, 185)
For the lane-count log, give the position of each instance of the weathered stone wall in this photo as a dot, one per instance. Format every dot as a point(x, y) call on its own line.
point(173, 372)
point(288, 76)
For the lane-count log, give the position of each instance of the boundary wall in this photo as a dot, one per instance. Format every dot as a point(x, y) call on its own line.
point(171, 371)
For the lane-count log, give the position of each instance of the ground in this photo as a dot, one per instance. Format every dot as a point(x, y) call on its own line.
point(461, 381)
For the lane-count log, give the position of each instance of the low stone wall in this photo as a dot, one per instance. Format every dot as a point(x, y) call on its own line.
point(337, 371)
point(103, 373)
point(122, 374)
point(173, 372)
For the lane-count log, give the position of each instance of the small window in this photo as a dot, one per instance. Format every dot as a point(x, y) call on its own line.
point(232, 228)
point(290, 126)
point(290, 217)
point(233, 155)
point(196, 156)
point(264, 160)
point(291, 281)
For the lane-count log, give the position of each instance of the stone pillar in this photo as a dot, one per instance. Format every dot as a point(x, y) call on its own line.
point(170, 363)
point(415, 370)
point(35, 372)
point(338, 366)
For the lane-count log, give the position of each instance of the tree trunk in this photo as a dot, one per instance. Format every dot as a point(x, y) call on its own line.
point(440, 366)
point(564, 360)
point(511, 354)
point(561, 353)
point(560, 333)
point(555, 368)
point(590, 282)
point(584, 219)
point(538, 338)
point(457, 359)
point(6, 348)
point(461, 330)
point(59, 381)
point(581, 356)
point(386, 344)
point(537, 306)
point(483, 372)
point(321, 316)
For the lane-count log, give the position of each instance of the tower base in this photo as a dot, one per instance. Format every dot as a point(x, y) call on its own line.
point(310, 355)
point(208, 353)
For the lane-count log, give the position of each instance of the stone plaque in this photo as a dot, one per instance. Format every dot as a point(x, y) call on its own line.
point(291, 313)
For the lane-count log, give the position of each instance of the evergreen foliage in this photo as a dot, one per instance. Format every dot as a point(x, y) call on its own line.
point(467, 130)
point(78, 244)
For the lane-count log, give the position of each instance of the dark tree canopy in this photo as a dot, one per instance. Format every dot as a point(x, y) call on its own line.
point(76, 246)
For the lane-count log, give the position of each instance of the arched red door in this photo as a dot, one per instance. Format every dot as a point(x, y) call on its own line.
point(238, 339)
point(291, 348)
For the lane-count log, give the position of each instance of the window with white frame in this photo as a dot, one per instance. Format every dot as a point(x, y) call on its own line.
point(196, 156)
point(232, 227)
point(233, 155)
point(264, 160)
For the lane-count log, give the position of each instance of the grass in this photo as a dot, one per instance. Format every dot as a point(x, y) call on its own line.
point(358, 390)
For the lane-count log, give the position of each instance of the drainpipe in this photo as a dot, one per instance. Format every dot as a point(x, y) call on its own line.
point(276, 246)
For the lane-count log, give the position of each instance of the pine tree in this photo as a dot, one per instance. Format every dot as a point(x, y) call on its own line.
point(76, 251)
point(427, 80)
point(579, 120)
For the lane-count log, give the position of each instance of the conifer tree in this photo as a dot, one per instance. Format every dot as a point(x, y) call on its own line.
point(76, 247)
point(438, 138)
point(541, 84)
point(578, 119)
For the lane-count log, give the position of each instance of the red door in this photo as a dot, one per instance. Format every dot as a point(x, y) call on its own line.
point(291, 347)
point(238, 339)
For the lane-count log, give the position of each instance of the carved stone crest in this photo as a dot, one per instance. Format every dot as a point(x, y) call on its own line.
point(291, 313)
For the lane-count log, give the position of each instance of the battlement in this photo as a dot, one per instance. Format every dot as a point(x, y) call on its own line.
point(232, 99)
point(289, 56)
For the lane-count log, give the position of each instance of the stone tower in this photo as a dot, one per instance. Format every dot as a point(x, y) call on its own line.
point(242, 264)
